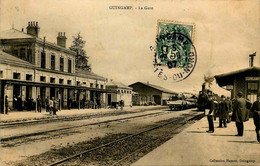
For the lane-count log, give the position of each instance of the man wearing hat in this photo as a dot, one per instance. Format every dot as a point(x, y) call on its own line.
point(223, 112)
point(240, 113)
point(256, 116)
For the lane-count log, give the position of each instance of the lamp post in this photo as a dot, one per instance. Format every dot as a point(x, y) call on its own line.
point(60, 99)
point(5, 91)
point(36, 99)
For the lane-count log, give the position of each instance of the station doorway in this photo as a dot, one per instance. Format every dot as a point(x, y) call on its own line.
point(157, 99)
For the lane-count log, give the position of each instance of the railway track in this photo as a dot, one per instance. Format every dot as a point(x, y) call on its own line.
point(4, 139)
point(180, 123)
point(70, 118)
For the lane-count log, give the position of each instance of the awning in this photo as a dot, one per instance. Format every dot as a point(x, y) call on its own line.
point(228, 78)
point(43, 84)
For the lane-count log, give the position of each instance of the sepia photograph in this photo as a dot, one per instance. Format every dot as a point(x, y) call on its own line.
point(129, 82)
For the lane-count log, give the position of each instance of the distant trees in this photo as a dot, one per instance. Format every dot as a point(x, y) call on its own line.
point(81, 56)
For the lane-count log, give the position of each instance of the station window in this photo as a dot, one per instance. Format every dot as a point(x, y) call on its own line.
point(91, 85)
point(97, 86)
point(252, 86)
point(118, 91)
point(61, 64)
point(29, 55)
point(61, 81)
point(69, 66)
point(1, 74)
point(252, 90)
point(23, 53)
point(53, 62)
point(43, 59)
point(28, 77)
point(17, 76)
point(78, 83)
point(101, 86)
point(15, 52)
point(52, 80)
point(84, 83)
point(69, 82)
point(43, 79)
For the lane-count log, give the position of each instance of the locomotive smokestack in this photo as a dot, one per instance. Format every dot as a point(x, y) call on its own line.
point(203, 87)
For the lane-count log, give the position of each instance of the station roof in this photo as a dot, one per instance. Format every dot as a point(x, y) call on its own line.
point(10, 59)
point(118, 85)
point(155, 87)
point(88, 74)
point(16, 34)
point(228, 78)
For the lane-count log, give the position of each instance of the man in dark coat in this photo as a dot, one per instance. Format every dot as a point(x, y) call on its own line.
point(19, 103)
point(223, 112)
point(212, 108)
point(55, 106)
point(47, 104)
point(39, 104)
point(256, 116)
point(69, 103)
point(240, 113)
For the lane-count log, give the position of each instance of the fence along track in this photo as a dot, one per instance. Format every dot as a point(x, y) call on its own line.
point(122, 139)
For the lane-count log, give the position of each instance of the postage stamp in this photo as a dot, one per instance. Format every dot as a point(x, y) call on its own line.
point(175, 54)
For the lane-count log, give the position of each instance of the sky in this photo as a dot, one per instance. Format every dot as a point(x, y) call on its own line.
point(118, 41)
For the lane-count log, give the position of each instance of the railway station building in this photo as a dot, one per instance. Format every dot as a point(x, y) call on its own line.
point(124, 93)
point(245, 80)
point(149, 94)
point(32, 67)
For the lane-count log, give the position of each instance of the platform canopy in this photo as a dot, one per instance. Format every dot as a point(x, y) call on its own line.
point(228, 78)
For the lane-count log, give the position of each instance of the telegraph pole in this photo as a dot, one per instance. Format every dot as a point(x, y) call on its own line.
point(251, 59)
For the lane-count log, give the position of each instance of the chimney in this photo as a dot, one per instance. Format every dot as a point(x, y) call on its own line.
point(33, 28)
point(251, 59)
point(61, 39)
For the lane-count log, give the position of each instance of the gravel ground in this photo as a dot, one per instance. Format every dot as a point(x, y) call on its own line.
point(69, 130)
point(112, 154)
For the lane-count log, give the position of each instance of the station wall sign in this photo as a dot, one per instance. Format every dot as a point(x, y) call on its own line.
point(252, 78)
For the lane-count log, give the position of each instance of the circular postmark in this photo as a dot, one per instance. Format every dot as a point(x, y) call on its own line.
point(175, 55)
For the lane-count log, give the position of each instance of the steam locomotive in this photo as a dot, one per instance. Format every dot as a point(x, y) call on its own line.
point(203, 99)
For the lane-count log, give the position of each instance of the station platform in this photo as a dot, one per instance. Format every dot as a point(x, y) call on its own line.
point(21, 116)
point(194, 146)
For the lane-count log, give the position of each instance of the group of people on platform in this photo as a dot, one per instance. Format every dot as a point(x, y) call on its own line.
point(20, 105)
point(30, 104)
point(84, 103)
point(237, 110)
point(51, 105)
